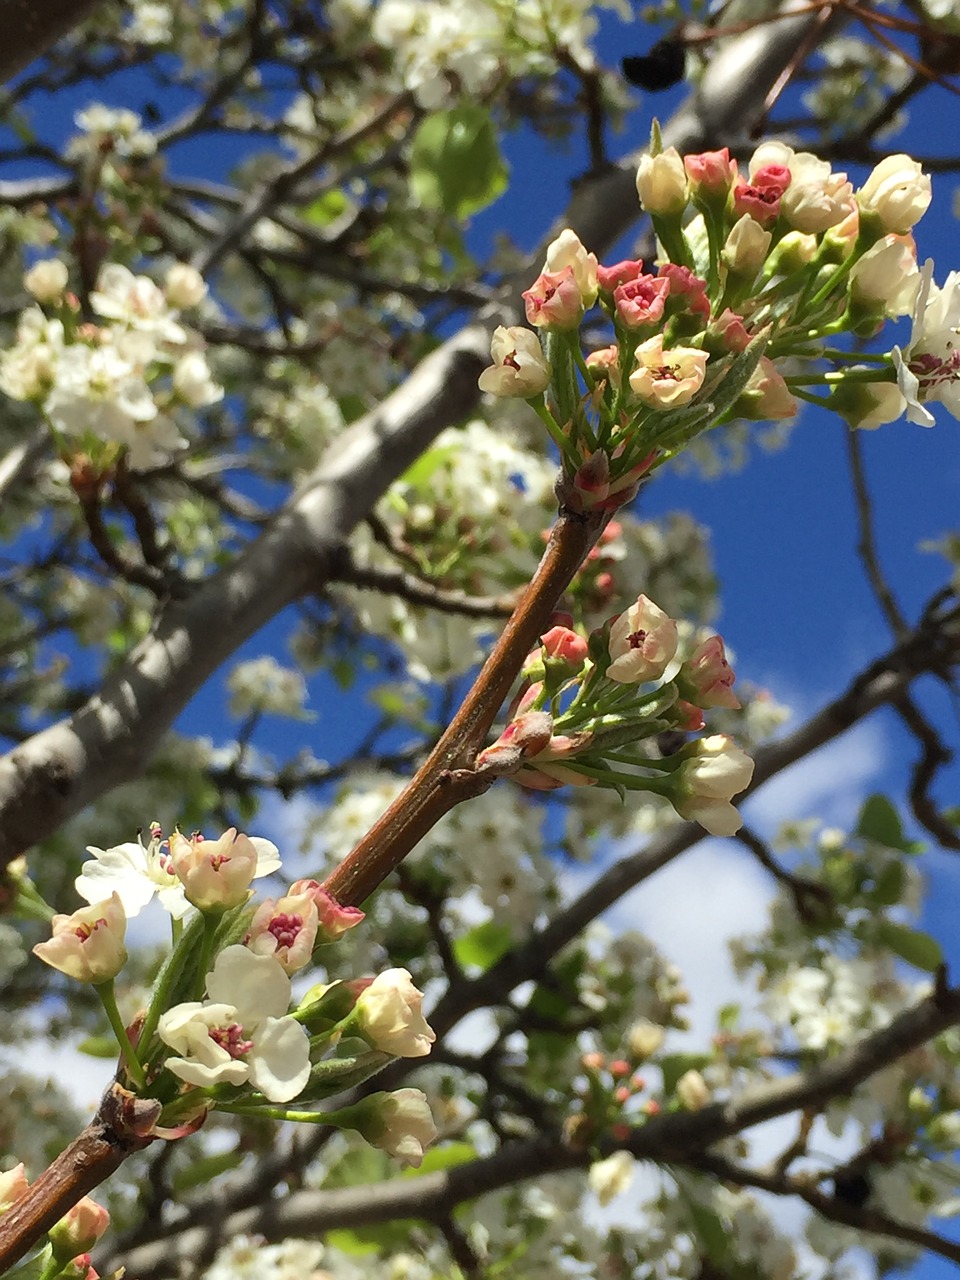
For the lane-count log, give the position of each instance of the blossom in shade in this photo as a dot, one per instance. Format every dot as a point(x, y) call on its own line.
point(88, 945)
point(662, 183)
point(713, 770)
point(285, 929)
point(79, 1229)
point(692, 1090)
point(667, 379)
point(565, 646)
point(216, 874)
point(897, 193)
point(609, 1178)
point(389, 1012)
point(567, 251)
point(519, 368)
point(643, 642)
point(184, 285)
point(47, 279)
point(707, 678)
point(240, 1035)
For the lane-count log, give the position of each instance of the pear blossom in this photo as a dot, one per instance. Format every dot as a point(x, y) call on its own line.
point(216, 874)
point(609, 1178)
point(567, 251)
point(641, 301)
point(28, 368)
point(553, 301)
point(868, 405)
point(399, 1123)
point(89, 944)
point(117, 129)
point(47, 279)
point(707, 678)
point(644, 1038)
point(815, 198)
point(746, 246)
point(408, 1126)
point(643, 641)
point(712, 772)
point(136, 872)
point(888, 274)
point(184, 285)
point(193, 383)
point(519, 368)
point(766, 395)
point(710, 172)
point(389, 1013)
point(692, 1091)
point(285, 929)
point(662, 183)
point(240, 1034)
point(897, 192)
point(667, 379)
point(135, 301)
point(929, 368)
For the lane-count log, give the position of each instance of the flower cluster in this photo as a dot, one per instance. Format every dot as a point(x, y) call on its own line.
point(117, 384)
point(599, 711)
point(219, 1029)
point(759, 272)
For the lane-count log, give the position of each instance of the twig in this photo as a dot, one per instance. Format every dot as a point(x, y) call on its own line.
point(867, 544)
point(809, 898)
point(421, 591)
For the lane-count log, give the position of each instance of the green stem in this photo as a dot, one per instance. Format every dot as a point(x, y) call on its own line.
point(166, 984)
point(108, 999)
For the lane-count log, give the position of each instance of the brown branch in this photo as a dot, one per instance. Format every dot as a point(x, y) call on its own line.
point(30, 27)
point(811, 900)
point(421, 591)
point(867, 544)
point(445, 778)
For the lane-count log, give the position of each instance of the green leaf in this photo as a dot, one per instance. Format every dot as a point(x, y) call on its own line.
point(482, 946)
point(455, 161)
point(446, 1157)
point(913, 945)
point(421, 472)
point(674, 1065)
point(889, 885)
point(880, 822)
point(327, 209)
point(204, 1170)
point(729, 1017)
point(99, 1047)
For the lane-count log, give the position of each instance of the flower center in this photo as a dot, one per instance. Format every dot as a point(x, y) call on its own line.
point(285, 928)
point(636, 638)
point(231, 1038)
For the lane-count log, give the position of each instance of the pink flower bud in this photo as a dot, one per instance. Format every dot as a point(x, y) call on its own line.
point(767, 396)
point(686, 289)
point(79, 1229)
point(591, 482)
point(762, 203)
point(707, 678)
point(564, 645)
point(333, 919)
point(710, 172)
point(608, 278)
point(88, 945)
point(730, 332)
